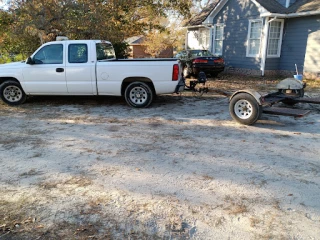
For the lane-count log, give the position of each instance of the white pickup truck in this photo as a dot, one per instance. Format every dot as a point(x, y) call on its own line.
point(88, 67)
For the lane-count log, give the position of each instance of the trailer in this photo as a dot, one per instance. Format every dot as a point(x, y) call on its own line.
point(247, 106)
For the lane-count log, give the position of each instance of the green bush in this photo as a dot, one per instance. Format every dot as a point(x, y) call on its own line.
point(121, 49)
point(7, 58)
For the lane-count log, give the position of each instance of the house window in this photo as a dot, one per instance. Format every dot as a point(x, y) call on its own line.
point(275, 38)
point(204, 38)
point(254, 38)
point(218, 39)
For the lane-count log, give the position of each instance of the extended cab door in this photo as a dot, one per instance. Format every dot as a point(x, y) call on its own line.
point(47, 74)
point(80, 73)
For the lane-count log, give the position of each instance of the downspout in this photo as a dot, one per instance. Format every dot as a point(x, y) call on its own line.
point(264, 46)
point(186, 40)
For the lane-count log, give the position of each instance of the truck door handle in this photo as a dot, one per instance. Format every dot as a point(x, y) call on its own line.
point(59, 70)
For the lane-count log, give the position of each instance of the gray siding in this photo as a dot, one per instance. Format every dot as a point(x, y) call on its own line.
point(292, 2)
point(272, 64)
point(282, 2)
point(297, 32)
point(235, 15)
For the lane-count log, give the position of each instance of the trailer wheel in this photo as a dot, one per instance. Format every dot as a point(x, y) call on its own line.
point(245, 109)
point(12, 93)
point(139, 95)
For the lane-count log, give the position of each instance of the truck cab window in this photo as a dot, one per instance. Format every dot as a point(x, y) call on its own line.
point(50, 54)
point(105, 51)
point(78, 53)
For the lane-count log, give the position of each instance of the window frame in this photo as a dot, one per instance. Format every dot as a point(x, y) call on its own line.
point(279, 41)
point(87, 55)
point(248, 38)
point(39, 61)
point(214, 38)
point(204, 37)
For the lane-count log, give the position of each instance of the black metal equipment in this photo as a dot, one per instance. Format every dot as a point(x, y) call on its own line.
point(246, 106)
point(198, 87)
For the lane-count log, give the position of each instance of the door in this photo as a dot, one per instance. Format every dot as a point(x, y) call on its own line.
point(47, 74)
point(80, 70)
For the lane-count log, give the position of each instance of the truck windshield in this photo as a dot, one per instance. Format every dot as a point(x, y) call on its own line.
point(105, 51)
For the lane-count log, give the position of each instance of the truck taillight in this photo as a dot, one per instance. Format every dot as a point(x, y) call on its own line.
point(175, 72)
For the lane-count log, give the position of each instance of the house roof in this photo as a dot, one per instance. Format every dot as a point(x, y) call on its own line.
point(304, 6)
point(272, 6)
point(202, 16)
point(298, 7)
point(136, 40)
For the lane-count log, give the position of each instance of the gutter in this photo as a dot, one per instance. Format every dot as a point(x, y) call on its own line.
point(291, 15)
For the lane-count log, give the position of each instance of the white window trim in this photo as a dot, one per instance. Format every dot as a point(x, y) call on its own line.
point(214, 38)
point(248, 37)
point(207, 38)
point(280, 40)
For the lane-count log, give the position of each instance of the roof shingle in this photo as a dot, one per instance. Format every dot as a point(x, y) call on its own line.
point(201, 17)
point(271, 6)
point(304, 6)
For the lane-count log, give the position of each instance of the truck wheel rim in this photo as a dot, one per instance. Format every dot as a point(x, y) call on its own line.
point(243, 109)
point(138, 95)
point(12, 94)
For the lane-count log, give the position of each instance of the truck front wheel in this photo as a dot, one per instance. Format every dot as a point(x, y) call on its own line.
point(12, 93)
point(138, 94)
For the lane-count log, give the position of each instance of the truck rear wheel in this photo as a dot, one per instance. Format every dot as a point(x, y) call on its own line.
point(138, 94)
point(12, 93)
point(245, 109)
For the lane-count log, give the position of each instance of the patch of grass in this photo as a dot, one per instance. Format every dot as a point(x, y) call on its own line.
point(235, 207)
point(31, 172)
point(206, 177)
point(219, 221)
point(254, 221)
point(75, 181)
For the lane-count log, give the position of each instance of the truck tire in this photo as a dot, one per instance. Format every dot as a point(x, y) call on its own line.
point(245, 109)
point(139, 95)
point(12, 93)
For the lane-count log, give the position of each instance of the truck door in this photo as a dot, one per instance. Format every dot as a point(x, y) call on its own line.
point(47, 74)
point(80, 70)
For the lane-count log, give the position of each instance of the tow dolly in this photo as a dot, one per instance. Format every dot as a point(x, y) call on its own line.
point(246, 106)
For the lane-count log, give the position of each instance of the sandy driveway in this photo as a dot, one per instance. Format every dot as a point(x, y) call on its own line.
point(94, 168)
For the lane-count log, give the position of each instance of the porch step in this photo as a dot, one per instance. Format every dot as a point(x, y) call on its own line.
point(285, 111)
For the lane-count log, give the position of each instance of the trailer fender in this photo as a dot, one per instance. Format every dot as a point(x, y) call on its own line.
point(290, 83)
point(253, 93)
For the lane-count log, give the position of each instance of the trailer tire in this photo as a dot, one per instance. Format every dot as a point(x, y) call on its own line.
point(138, 94)
point(12, 93)
point(245, 109)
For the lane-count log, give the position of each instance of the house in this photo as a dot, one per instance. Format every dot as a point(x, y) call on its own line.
point(261, 37)
point(138, 49)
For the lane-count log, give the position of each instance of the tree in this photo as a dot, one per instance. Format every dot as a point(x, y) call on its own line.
point(112, 20)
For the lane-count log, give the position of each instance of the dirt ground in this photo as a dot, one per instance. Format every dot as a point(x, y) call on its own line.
point(95, 168)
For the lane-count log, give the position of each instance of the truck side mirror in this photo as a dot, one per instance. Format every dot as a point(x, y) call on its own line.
point(30, 61)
